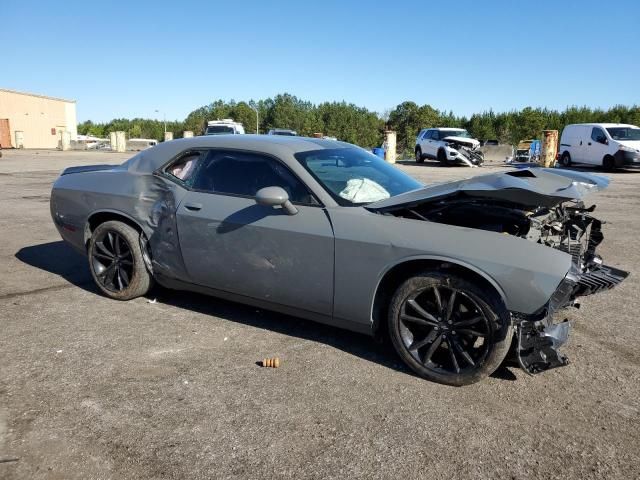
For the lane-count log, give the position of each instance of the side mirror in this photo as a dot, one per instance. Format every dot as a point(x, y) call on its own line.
point(275, 197)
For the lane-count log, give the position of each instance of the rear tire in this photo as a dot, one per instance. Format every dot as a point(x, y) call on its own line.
point(457, 344)
point(565, 160)
point(419, 156)
point(442, 158)
point(116, 261)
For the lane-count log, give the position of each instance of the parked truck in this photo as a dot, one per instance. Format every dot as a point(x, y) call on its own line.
point(528, 151)
point(226, 126)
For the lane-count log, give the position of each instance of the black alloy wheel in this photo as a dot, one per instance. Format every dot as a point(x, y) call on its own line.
point(448, 330)
point(112, 261)
point(117, 262)
point(444, 329)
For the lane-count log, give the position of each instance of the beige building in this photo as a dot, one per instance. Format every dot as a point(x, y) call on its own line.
point(35, 121)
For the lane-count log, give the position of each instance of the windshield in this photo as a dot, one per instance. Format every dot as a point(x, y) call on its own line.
point(219, 130)
point(354, 176)
point(624, 133)
point(455, 133)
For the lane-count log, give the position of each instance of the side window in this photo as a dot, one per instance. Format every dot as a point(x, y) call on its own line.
point(240, 173)
point(597, 135)
point(427, 135)
point(184, 167)
point(435, 135)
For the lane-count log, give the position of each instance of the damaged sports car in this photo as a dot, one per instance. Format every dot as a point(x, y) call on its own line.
point(458, 275)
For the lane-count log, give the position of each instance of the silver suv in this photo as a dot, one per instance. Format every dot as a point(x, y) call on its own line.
point(449, 146)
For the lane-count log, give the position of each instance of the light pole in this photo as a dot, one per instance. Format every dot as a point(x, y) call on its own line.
point(164, 120)
point(257, 118)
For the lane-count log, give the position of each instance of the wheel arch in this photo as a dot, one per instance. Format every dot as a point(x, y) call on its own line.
point(99, 217)
point(396, 273)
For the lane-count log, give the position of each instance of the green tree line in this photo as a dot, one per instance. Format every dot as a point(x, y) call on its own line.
point(363, 127)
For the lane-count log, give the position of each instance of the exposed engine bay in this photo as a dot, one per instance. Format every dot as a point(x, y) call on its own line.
point(468, 153)
point(569, 228)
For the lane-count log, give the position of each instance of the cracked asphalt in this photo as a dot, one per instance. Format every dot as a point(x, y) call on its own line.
point(92, 388)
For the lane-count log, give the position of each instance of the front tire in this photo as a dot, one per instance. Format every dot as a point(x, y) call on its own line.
point(608, 163)
point(565, 160)
point(116, 261)
point(448, 330)
point(442, 158)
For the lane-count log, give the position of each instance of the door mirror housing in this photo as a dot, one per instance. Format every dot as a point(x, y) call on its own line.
point(275, 197)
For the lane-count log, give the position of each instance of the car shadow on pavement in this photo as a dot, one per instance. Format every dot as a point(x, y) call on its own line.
point(360, 345)
point(60, 259)
point(350, 342)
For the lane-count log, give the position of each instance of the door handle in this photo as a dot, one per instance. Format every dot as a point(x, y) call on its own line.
point(589, 143)
point(194, 207)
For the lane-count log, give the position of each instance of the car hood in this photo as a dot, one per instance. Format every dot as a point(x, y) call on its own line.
point(635, 144)
point(467, 140)
point(544, 187)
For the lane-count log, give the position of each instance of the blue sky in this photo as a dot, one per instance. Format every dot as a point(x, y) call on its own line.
point(128, 59)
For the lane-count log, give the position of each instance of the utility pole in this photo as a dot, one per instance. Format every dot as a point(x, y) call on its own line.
point(257, 118)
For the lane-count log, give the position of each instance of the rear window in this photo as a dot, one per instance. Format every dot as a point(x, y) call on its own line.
point(286, 133)
point(219, 130)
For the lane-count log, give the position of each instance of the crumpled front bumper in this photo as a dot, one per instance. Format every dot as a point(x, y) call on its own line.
point(464, 155)
point(539, 340)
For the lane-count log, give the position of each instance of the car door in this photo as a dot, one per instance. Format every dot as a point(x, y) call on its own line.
point(230, 243)
point(422, 136)
point(427, 144)
point(597, 147)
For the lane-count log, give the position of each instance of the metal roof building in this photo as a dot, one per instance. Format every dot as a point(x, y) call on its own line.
point(35, 121)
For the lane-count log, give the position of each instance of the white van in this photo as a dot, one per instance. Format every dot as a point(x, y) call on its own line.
point(610, 145)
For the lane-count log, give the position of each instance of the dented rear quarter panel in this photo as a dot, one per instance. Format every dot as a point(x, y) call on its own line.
point(146, 199)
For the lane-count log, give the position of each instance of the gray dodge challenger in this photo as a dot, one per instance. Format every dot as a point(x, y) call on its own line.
point(459, 276)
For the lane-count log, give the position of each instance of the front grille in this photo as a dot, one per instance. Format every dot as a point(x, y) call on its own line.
point(598, 279)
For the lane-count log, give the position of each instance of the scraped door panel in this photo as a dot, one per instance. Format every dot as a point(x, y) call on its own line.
point(230, 243)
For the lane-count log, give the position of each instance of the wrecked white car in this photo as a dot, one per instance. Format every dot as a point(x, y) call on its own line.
point(450, 146)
